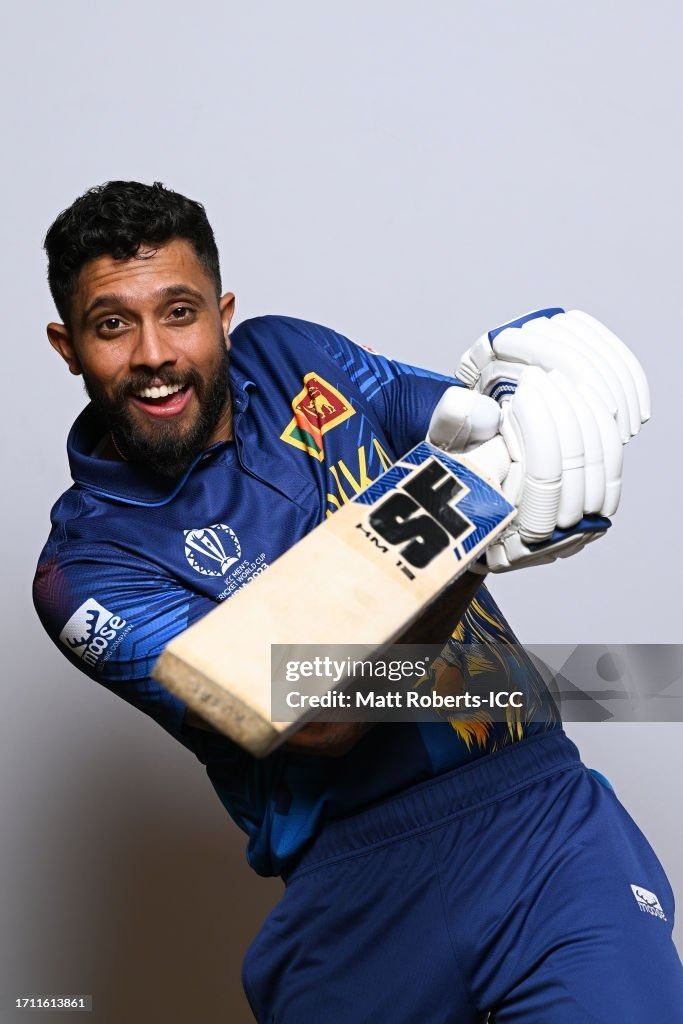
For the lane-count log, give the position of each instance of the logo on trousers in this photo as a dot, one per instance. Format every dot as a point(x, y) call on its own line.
point(648, 902)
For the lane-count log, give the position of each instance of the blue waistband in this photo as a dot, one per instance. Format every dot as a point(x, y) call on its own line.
point(433, 803)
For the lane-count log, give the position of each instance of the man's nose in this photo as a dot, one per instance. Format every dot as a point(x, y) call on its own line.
point(153, 348)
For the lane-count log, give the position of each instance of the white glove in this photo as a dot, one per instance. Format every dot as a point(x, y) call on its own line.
point(593, 399)
point(586, 352)
point(557, 457)
point(463, 419)
point(561, 490)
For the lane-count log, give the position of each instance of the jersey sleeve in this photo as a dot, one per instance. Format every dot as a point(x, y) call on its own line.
point(111, 614)
point(402, 396)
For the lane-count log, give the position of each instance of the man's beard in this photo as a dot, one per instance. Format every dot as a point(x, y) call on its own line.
point(164, 449)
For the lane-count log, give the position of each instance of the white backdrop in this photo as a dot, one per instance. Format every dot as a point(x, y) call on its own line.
point(410, 174)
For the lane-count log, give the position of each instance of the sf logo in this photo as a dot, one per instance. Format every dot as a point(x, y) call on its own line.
point(422, 516)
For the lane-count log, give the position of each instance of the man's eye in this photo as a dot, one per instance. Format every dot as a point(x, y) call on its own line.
point(181, 312)
point(112, 323)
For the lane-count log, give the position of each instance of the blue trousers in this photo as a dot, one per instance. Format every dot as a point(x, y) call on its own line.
point(513, 889)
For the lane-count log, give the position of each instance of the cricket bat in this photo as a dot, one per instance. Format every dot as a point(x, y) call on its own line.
point(366, 576)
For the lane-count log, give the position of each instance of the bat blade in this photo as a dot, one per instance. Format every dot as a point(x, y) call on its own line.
point(362, 577)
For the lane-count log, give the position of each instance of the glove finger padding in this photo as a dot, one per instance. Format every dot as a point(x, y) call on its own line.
point(555, 347)
point(586, 332)
point(534, 483)
point(612, 450)
point(547, 414)
point(540, 456)
point(573, 489)
point(594, 480)
point(624, 353)
point(575, 343)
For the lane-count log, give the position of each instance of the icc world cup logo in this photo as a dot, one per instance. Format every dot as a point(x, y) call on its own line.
point(212, 550)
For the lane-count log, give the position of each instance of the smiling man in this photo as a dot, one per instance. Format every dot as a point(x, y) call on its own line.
point(435, 872)
point(161, 312)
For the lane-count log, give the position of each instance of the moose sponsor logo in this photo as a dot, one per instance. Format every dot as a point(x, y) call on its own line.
point(91, 632)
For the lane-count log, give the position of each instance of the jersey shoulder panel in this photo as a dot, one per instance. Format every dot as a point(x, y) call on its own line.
point(275, 340)
point(401, 396)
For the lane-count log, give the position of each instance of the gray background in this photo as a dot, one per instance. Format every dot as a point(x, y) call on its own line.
point(411, 174)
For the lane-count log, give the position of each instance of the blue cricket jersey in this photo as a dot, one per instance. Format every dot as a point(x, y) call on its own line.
point(132, 560)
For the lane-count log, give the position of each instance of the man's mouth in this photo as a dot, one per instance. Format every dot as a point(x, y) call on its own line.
point(165, 400)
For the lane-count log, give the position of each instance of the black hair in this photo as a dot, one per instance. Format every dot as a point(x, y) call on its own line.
point(116, 219)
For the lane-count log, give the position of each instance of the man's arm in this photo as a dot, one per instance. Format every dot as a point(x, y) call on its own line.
point(111, 616)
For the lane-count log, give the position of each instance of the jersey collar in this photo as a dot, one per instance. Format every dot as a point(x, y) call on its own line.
point(124, 481)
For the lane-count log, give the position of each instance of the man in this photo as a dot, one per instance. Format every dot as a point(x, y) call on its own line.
point(435, 872)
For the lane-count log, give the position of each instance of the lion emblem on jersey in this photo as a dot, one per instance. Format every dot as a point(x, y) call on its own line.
point(317, 408)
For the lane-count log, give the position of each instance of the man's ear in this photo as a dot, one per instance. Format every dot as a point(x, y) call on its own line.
point(60, 339)
point(226, 305)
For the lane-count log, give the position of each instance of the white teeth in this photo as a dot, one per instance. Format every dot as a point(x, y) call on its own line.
point(163, 392)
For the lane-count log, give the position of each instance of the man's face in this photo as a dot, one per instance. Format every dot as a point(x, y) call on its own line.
point(151, 340)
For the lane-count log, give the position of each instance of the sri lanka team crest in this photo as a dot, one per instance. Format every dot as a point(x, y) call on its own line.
point(317, 408)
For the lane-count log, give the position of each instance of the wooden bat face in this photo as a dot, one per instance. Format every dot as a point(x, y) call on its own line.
point(376, 566)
